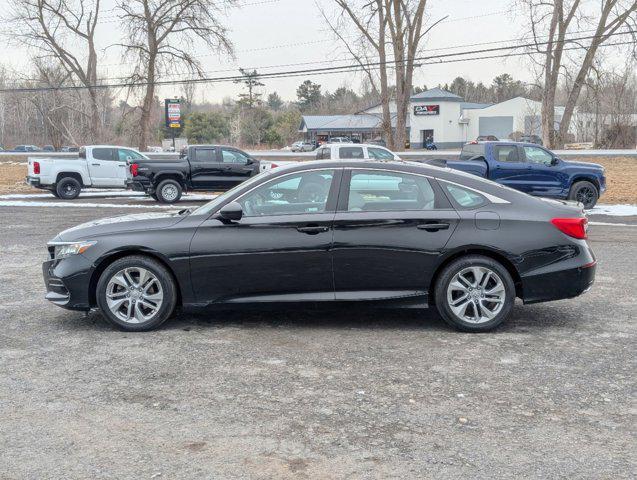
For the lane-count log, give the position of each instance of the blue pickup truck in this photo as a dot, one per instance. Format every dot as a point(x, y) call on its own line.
point(532, 169)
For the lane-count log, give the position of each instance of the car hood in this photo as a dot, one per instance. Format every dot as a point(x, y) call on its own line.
point(586, 165)
point(126, 223)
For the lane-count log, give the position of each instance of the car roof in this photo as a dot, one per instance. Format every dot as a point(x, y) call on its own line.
point(503, 142)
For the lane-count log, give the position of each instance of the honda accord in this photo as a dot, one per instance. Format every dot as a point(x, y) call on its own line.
point(381, 232)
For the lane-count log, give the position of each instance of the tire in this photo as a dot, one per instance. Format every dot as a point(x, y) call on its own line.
point(584, 192)
point(68, 188)
point(154, 196)
point(499, 286)
point(54, 193)
point(169, 191)
point(130, 309)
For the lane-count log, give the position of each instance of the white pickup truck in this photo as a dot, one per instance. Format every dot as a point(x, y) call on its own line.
point(97, 166)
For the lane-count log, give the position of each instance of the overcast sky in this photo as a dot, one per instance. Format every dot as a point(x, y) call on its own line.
point(283, 32)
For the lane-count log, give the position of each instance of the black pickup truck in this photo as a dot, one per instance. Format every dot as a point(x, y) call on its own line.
point(199, 167)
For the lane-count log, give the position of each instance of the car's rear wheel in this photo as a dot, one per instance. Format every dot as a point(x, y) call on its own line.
point(585, 193)
point(136, 293)
point(474, 293)
point(169, 191)
point(68, 188)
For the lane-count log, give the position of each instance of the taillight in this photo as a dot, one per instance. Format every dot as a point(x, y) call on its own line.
point(133, 169)
point(36, 168)
point(573, 227)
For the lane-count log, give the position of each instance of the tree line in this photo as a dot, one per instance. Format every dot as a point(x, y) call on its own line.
point(567, 40)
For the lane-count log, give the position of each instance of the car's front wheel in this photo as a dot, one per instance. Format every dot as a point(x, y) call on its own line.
point(474, 293)
point(136, 293)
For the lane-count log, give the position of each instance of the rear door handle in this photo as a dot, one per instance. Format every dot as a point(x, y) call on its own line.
point(433, 227)
point(313, 229)
point(96, 164)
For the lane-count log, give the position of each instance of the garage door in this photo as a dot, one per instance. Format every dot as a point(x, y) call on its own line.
point(501, 127)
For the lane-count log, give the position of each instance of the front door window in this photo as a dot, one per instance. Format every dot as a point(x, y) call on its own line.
point(299, 193)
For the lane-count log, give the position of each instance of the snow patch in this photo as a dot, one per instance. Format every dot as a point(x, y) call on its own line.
point(614, 210)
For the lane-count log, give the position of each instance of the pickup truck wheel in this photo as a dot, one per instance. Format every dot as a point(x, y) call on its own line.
point(584, 192)
point(168, 191)
point(68, 188)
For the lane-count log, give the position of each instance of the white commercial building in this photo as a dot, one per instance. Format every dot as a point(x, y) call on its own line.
point(441, 116)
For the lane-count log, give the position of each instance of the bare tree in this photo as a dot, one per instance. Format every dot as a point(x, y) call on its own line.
point(390, 35)
point(160, 36)
point(551, 23)
point(64, 30)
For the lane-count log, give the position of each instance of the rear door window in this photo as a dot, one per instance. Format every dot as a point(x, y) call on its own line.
point(351, 152)
point(506, 153)
point(206, 155)
point(103, 154)
point(472, 150)
point(375, 191)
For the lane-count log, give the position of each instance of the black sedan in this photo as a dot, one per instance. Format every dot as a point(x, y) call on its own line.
point(408, 234)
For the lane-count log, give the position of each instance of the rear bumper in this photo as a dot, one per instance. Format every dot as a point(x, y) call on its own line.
point(558, 285)
point(138, 185)
point(34, 182)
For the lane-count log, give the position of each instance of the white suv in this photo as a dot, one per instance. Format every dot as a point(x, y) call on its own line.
point(354, 151)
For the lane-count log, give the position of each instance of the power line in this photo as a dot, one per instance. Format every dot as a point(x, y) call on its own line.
point(444, 58)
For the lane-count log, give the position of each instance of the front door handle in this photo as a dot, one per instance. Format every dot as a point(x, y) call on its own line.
point(96, 164)
point(433, 227)
point(313, 229)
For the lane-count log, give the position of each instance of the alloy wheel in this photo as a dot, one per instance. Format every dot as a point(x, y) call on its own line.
point(476, 294)
point(134, 295)
point(585, 195)
point(169, 192)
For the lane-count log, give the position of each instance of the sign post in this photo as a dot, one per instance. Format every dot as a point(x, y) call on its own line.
point(172, 109)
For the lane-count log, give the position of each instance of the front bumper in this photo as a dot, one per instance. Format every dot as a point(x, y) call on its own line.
point(559, 284)
point(67, 282)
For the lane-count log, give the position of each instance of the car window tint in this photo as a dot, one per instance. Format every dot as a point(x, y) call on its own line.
point(380, 153)
point(103, 153)
point(351, 152)
point(388, 191)
point(471, 150)
point(205, 155)
point(537, 155)
point(506, 153)
point(305, 192)
point(233, 156)
point(464, 197)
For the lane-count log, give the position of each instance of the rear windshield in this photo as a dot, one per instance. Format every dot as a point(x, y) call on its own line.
point(471, 150)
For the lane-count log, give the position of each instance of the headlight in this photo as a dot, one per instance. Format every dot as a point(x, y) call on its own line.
point(63, 250)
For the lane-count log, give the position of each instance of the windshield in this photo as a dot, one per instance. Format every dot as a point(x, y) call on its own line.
point(211, 206)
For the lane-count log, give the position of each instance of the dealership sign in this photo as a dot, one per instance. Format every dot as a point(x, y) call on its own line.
point(426, 109)
point(173, 113)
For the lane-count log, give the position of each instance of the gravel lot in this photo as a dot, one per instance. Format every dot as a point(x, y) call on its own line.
point(315, 394)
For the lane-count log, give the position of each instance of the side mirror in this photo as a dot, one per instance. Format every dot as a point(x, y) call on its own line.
point(249, 161)
point(555, 161)
point(231, 212)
